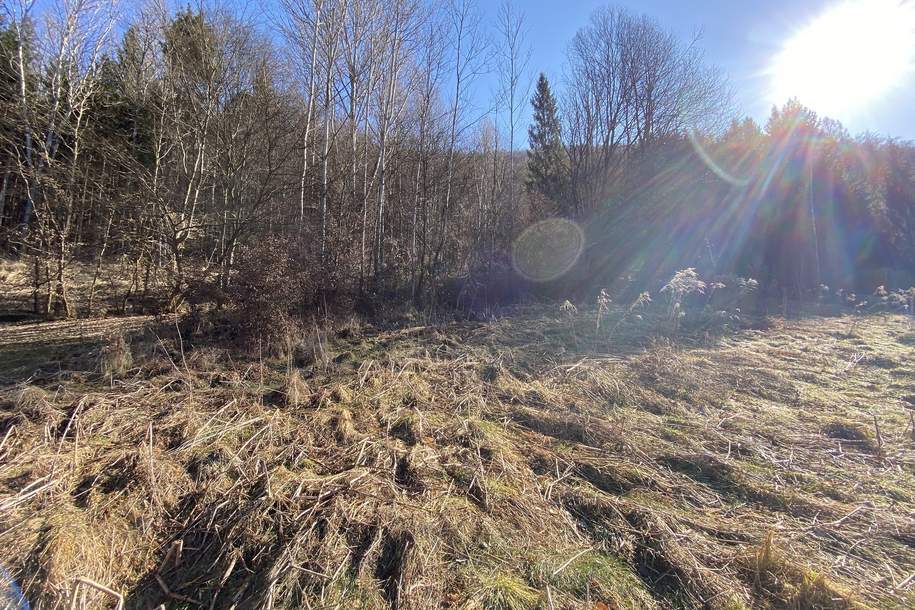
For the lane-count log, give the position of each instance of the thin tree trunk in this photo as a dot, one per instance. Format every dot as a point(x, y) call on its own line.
point(325, 153)
point(319, 7)
point(98, 264)
point(6, 178)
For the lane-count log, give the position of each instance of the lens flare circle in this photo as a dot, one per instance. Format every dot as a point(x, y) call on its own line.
point(848, 57)
point(546, 250)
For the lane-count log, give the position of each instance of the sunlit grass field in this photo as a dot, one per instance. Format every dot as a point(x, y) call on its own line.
point(538, 460)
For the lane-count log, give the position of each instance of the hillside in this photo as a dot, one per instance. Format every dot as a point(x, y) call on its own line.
point(528, 462)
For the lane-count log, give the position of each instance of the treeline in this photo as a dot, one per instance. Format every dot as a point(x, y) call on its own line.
point(343, 155)
point(798, 204)
point(344, 136)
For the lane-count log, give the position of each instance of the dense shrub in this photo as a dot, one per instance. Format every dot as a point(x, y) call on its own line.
point(273, 289)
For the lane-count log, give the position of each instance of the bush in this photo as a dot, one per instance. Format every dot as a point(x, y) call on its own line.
point(487, 286)
point(273, 288)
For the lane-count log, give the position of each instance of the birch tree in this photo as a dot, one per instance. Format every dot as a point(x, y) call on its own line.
point(515, 83)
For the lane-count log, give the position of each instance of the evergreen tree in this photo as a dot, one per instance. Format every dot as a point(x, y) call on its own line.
point(547, 166)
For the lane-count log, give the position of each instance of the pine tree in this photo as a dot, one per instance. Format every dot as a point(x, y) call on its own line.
point(547, 166)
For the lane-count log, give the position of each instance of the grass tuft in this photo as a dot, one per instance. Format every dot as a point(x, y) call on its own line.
point(341, 395)
point(778, 578)
point(32, 402)
point(115, 358)
point(343, 428)
point(295, 389)
point(501, 591)
point(597, 576)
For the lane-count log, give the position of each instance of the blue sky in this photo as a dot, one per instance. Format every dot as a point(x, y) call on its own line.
point(741, 38)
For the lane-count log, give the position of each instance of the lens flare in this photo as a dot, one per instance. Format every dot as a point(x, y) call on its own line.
point(848, 57)
point(699, 149)
point(547, 249)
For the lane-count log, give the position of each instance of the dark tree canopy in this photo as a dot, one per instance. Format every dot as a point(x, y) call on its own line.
point(547, 166)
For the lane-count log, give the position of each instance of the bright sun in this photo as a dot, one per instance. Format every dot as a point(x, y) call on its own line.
point(849, 56)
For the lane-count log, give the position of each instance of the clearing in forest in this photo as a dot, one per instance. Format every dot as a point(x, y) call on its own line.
point(528, 462)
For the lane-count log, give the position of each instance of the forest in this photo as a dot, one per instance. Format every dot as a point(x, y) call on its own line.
point(153, 158)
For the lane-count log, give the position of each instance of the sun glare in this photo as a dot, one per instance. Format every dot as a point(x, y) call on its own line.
point(848, 57)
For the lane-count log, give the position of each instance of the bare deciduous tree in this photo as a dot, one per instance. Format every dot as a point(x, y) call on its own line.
point(629, 83)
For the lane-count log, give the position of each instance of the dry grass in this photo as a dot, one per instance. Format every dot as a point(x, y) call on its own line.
point(777, 577)
point(511, 465)
point(112, 284)
point(115, 358)
point(501, 591)
point(295, 389)
point(31, 402)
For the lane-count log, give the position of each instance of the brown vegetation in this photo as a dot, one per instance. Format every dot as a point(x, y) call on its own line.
point(516, 464)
